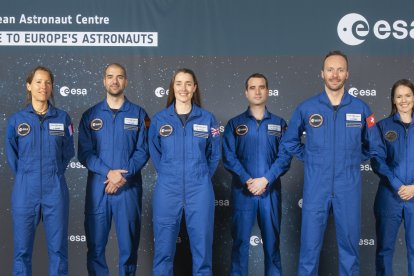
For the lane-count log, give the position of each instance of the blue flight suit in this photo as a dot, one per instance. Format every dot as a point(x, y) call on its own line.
point(337, 141)
point(185, 158)
point(389, 208)
point(111, 141)
point(38, 152)
point(250, 150)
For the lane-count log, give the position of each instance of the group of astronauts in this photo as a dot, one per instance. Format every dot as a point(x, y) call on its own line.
point(116, 139)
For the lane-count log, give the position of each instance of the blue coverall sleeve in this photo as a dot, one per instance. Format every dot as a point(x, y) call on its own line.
point(282, 162)
point(140, 156)
point(230, 160)
point(86, 153)
point(213, 147)
point(291, 140)
point(379, 164)
point(154, 144)
point(12, 146)
point(68, 144)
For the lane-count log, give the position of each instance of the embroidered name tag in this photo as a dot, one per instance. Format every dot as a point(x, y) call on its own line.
point(353, 117)
point(56, 129)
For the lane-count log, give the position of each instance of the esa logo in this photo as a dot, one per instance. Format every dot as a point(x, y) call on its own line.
point(300, 203)
point(362, 92)
point(77, 238)
point(222, 202)
point(255, 241)
point(369, 242)
point(366, 167)
point(161, 92)
point(354, 28)
point(273, 93)
point(75, 165)
point(65, 91)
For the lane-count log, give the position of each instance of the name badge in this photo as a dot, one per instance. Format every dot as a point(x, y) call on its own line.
point(131, 124)
point(272, 127)
point(353, 117)
point(131, 121)
point(57, 129)
point(201, 128)
point(200, 131)
point(56, 126)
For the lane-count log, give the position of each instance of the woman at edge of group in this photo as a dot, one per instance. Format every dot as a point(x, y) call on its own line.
point(394, 199)
point(184, 144)
point(39, 146)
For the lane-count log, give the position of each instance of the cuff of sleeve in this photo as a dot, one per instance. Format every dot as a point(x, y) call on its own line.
point(270, 177)
point(396, 183)
point(244, 178)
point(105, 171)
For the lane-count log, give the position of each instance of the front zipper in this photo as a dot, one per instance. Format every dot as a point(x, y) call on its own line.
point(334, 151)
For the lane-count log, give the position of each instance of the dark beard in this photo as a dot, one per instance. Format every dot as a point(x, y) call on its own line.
point(119, 94)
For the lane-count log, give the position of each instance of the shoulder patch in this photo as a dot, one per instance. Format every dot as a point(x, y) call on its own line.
point(315, 120)
point(241, 130)
point(166, 130)
point(23, 129)
point(96, 124)
point(391, 135)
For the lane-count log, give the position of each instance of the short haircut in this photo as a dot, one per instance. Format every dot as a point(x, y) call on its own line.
point(335, 53)
point(256, 75)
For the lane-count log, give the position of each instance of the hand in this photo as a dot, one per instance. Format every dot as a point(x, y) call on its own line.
point(116, 177)
point(111, 188)
point(257, 186)
point(406, 192)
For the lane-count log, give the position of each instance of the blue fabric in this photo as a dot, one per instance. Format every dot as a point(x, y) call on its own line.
point(390, 210)
point(336, 143)
point(119, 142)
point(38, 153)
point(250, 150)
point(185, 158)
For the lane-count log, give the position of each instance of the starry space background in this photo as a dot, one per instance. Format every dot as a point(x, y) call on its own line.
point(221, 80)
point(223, 43)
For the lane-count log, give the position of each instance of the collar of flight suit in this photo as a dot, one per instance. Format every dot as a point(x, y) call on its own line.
point(51, 111)
point(266, 114)
point(346, 99)
point(195, 110)
point(124, 107)
point(397, 118)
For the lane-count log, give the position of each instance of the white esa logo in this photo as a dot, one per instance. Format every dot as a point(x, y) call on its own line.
point(255, 241)
point(65, 91)
point(161, 92)
point(369, 242)
point(77, 238)
point(353, 29)
point(273, 92)
point(300, 203)
point(75, 165)
point(366, 167)
point(222, 202)
point(362, 92)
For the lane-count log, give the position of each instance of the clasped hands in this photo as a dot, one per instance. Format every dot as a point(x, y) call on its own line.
point(115, 180)
point(406, 192)
point(257, 186)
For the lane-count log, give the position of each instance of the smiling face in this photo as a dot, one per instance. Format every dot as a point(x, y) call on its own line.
point(184, 87)
point(403, 99)
point(257, 91)
point(115, 80)
point(40, 87)
point(335, 73)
